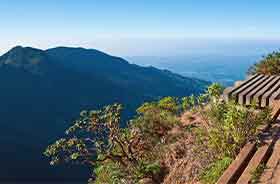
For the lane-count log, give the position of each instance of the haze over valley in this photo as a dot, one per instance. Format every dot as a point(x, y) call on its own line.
point(213, 60)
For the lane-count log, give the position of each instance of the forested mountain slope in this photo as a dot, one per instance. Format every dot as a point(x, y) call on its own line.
point(41, 92)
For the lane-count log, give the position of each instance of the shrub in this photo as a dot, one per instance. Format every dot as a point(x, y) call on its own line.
point(228, 126)
point(231, 126)
point(155, 119)
point(166, 104)
point(109, 173)
point(214, 91)
point(169, 104)
point(188, 102)
point(147, 170)
point(269, 65)
point(127, 155)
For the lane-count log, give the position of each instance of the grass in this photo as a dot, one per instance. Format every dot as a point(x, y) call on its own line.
point(211, 174)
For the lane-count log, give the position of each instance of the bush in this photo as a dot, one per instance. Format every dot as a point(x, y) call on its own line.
point(188, 102)
point(127, 155)
point(147, 170)
point(169, 104)
point(193, 103)
point(214, 91)
point(231, 126)
point(109, 173)
point(269, 65)
point(228, 127)
point(166, 104)
point(155, 119)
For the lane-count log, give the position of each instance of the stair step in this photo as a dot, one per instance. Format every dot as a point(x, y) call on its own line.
point(271, 165)
point(261, 155)
point(235, 169)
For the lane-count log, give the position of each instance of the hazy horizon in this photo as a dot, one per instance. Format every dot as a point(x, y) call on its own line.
point(178, 48)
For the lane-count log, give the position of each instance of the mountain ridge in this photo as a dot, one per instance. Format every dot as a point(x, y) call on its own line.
point(43, 90)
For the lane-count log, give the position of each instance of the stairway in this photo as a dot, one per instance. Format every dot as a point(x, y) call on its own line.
point(257, 162)
point(253, 156)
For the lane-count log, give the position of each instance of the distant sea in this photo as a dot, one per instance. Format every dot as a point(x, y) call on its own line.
point(214, 68)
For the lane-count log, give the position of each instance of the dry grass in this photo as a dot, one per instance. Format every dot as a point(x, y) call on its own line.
point(183, 159)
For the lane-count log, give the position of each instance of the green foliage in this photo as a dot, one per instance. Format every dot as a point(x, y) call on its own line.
point(192, 100)
point(96, 138)
point(269, 65)
point(230, 126)
point(189, 102)
point(211, 174)
point(214, 91)
point(169, 104)
point(147, 170)
point(117, 154)
point(126, 155)
point(103, 128)
point(185, 103)
point(113, 173)
point(109, 173)
point(155, 119)
point(66, 150)
point(166, 104)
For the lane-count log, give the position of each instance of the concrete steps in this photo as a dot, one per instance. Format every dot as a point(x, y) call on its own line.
point(252, 156)
point(271, 173)
point(263, 91)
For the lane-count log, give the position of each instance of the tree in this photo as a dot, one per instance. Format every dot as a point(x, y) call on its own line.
point(114, 154)
point(94, 138)
point(269, 65)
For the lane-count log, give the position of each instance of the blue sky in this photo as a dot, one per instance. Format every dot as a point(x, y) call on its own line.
point(138, 27)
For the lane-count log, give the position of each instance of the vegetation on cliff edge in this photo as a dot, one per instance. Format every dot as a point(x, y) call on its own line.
point(136, 154)
point(269, 65)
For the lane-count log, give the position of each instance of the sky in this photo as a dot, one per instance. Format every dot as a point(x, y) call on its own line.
point(142, 27)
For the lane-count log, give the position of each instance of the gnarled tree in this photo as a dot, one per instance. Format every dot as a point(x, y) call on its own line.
point(95, 138)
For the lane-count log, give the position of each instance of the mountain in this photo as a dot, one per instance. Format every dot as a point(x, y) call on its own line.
point(118, 70)
point(43, 90)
